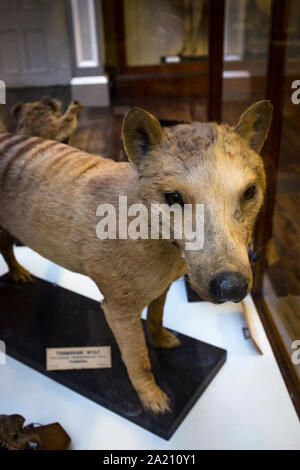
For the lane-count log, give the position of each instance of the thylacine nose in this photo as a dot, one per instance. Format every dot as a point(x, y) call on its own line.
point(228, 286)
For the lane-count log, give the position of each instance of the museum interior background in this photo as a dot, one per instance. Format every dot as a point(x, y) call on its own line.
point(182, 60)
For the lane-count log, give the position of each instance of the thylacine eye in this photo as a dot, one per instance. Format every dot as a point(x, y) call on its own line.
point(174, 198)
point(250, 192)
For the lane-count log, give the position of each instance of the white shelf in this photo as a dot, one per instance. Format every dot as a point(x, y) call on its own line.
point(246, 406)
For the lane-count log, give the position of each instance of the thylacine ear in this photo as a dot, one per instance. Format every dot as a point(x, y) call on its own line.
point(140, 133)
point(254, 124)
point(16, 110)
point(52, 103)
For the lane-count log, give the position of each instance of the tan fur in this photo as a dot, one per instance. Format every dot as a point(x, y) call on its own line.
point(45, 119)
point(49, 193)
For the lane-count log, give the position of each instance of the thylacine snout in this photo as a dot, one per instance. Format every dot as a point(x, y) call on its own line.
point(228, 285)
point(220, 277)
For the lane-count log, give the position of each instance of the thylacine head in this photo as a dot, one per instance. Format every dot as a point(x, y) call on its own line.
point(215, 165)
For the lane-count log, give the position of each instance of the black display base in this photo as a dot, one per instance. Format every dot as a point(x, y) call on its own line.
point(37, 316)
point(191, 294)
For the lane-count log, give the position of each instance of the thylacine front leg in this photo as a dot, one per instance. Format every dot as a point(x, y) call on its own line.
point(125, 323)
point(158, 336)
point(16, 271)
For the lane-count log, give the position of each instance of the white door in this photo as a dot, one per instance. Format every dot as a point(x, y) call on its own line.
point(34, 48)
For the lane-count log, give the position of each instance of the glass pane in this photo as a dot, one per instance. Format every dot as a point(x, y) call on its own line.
point(282, 280)
point(247, 26)
point(157, 53)
point(169, 31)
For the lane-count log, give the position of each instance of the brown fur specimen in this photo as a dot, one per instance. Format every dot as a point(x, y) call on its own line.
point(12, 435)
point(49, 193)
point(45, 119)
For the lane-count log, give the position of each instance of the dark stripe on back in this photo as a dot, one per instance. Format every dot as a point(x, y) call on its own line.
point(86, 168)
point(58, 155)
point(4, 137)
point(65, 152)
point(20, 152)
point(71, 150)
point(60, 163)
point(15, 139)
point(39, 150)
point(61, 148)
point(32, 156)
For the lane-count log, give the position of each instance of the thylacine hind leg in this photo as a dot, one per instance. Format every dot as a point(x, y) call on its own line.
point(158, 336)
point(16, 271)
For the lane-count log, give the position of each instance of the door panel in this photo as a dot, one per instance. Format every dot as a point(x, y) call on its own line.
point(9, 53)
point(34, 49)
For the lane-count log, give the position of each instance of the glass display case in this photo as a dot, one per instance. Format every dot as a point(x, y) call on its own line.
point(198, 59)
point(160, 49)
point(87, 73)
point(265, 63)
point(281, 282)
point(246, 45)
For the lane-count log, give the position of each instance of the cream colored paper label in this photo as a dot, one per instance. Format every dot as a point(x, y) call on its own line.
point(90, 357)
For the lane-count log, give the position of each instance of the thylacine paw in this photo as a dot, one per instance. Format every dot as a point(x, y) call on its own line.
point(164, 340)
point(155, 400)
point(20, 274)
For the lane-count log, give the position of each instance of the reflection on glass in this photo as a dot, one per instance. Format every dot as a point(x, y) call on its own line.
point(247, 29)
point(246, 44)
point(282, 282)
point(246, 41)
point(165, 31)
